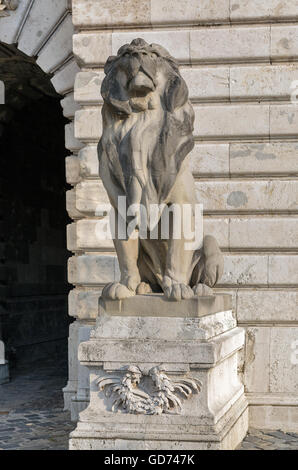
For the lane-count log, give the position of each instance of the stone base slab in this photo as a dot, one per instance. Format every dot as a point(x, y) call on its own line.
point(156, 305)
point(92, 435)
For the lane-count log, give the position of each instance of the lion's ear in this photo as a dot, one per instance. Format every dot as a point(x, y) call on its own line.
point(109, 63)
point(176, 92)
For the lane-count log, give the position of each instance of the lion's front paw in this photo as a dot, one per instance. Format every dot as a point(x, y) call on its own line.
point(117, 291)
point(202, 289)
point(176, 291)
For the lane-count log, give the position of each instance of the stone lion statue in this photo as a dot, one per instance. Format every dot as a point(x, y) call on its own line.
point(147, 134)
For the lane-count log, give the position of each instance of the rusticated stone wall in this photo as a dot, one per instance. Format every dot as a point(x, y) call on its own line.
point(239, 58)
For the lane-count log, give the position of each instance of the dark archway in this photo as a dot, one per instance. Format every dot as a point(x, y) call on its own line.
point(33, 282)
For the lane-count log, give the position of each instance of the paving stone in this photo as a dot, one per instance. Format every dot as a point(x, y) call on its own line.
point(280, 435)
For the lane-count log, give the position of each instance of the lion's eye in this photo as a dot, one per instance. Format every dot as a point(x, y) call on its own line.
point(126, 54)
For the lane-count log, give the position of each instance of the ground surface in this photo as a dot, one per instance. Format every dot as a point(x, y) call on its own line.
point(31, 409)
point(32, 416)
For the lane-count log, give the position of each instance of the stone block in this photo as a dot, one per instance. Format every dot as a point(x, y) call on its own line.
point(283, 120)
point(262, 82)
point(176, 42)
point(207, 83)
point(64, 78)
point(250, 9)
point(227, 121)
point(219, 229)
point(264, 233)
point(245, 270)
point(72, 169)
point(71, 235)
point(92, 269)
point(157, 306)
point(257, 360)
point(90, 196)
point(71, 205)
point(70, 389)
point(80, 399)
point(87, 86)
point(258, 10)
point(88, 124)
point(230, 44)
point(58, 48)
point(72, 270)
point(267, 306)
point(284, 42)
point(42, 18)
point(145, 12)
point(281, 417)
point(284, 360)
point(188, 11)
point(283, 270)
point(89, 236)
point(83, 303)
point(89, 161)
point(246, 195)
point(69, 106)
point(209, 159)
point(71, 143)
point(264, 158)
point(104, 13)
point(92, 49)
point(10, 24)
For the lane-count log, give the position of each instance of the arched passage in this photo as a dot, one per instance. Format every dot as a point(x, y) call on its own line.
point(38, 68)
point(34, 320)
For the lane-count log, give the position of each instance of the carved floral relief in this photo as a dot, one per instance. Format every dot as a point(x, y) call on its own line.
point(165, 396)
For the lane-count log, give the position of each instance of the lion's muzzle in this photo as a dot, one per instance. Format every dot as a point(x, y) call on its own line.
point(141, 85)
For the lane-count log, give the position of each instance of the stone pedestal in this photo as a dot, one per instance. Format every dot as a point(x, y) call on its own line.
point(163, 375)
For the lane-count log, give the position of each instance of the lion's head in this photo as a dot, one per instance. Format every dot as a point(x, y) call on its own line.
point(138, 70)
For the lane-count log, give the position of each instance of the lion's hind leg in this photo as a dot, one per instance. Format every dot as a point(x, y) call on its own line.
point(201, 289)
point(209, 268)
